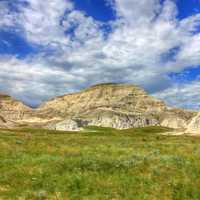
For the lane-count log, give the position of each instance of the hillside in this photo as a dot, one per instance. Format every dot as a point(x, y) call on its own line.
point(12, 111)
point(120, 106)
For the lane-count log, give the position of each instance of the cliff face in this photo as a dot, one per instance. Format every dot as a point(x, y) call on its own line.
point(194, 125)
point(12, 110)
point(119, 106)
point(116, 97)
point(110, 105)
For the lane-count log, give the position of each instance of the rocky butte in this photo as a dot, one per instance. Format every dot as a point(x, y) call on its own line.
point(119, 106)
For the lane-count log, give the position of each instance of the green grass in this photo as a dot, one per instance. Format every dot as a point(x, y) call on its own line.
point(98, 164)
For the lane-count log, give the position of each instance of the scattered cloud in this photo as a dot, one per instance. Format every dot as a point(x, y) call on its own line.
point(7, 19)
point(34, 81)
point(146, 42)
point(184, 96)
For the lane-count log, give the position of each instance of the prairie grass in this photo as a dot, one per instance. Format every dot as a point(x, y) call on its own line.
point(98, 164)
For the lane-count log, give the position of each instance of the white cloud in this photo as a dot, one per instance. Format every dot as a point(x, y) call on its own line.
point(146, 43)
point(34, 81)
point(137, 12)
point(182, 95)
point(7, 19)
point(41, 21)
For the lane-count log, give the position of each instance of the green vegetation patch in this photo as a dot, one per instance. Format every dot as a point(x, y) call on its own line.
point(99, 164)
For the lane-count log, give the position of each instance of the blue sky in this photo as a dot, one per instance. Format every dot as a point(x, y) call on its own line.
point(98, 9)
point(49, 48)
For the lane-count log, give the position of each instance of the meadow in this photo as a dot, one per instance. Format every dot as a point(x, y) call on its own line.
point(98, 164)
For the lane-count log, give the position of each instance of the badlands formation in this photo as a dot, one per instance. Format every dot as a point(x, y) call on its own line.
point(120, 106)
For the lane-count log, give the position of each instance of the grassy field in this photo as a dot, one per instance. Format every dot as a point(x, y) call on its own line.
point(99, 164)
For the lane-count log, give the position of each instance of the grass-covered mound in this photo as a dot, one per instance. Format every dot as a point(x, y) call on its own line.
point(99, 164)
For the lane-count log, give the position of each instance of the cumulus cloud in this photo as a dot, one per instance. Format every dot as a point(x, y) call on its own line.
point(145, 44)
point(184, 96)
point(7, 19)
point(33, 80)
point(40, 21)
point(137, 12)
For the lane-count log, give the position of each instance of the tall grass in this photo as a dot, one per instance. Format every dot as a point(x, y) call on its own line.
point(98, 164)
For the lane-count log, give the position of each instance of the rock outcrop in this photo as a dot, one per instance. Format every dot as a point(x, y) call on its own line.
point(117, 97)
point(194, 125)
point(120, 106)
point(12, 109)
point(3, 122)
point(176, 118)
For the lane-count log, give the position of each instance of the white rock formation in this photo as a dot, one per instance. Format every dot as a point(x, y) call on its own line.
point(118, 106)
point(194, 125)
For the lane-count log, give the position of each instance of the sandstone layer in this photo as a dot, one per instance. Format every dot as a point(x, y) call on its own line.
point(12, 111)
point(194, 125)
point(120, 106)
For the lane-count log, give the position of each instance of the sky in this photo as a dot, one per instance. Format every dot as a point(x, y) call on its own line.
point(53, 47)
